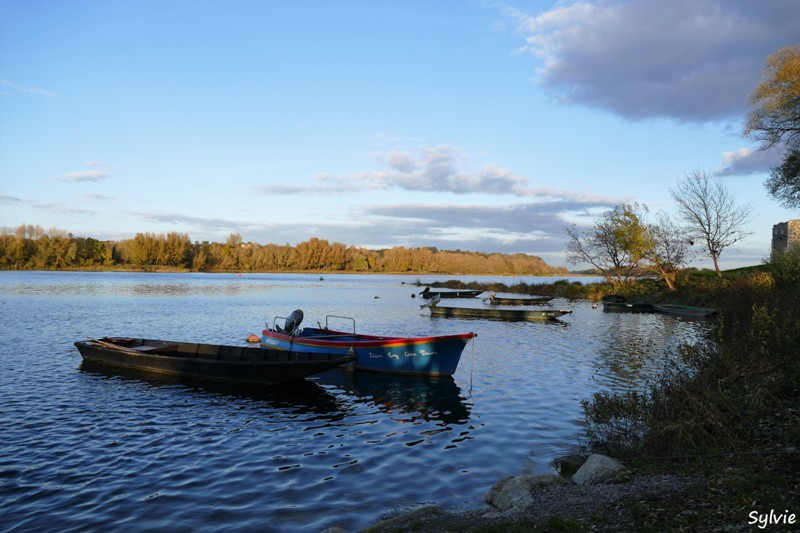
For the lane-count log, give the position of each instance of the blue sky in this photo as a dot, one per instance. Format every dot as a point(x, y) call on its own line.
point(478, 125)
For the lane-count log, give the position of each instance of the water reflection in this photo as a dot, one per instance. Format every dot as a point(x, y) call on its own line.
point(633, 352)
point(302, 395)
point(416, 398)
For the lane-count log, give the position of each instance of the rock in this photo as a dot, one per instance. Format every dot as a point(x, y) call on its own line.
point(334, 530)
point(598, 469)
point(569, 464)
point(512, 492)
point(550, 478)
point(394, 523)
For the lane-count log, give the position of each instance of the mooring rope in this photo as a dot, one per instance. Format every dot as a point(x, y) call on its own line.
point(472, 365)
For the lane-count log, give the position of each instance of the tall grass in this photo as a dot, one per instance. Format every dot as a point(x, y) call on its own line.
point(730, 393)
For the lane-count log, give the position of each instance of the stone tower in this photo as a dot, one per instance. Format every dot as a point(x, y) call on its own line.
point(785, 235)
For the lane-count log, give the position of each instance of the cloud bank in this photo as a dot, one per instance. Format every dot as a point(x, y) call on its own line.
point(439, 169)
point(687, 60)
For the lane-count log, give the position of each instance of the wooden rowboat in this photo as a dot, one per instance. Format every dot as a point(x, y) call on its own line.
point(493, 299)
point(628, 307)
point(240, 364)
point(428, 293)
point(503, 314)
point(687, 311)
point(617, 303)
point(494, 312)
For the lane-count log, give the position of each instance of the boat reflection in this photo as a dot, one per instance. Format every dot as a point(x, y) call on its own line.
point(435, 399)
point(305, 395)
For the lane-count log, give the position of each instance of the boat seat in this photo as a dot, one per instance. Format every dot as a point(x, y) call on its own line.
point(160, 348)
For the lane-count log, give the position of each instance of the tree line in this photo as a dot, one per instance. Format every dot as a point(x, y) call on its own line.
point(33, 247)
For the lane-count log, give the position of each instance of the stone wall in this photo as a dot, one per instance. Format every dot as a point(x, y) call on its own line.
point(785, 235)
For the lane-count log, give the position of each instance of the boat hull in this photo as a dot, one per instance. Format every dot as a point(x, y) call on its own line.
point(686, 311)
point(428, 294)
point(497, 300)
point(622, 307)
point(430, 356)
point(502, 314)
point(239, 364)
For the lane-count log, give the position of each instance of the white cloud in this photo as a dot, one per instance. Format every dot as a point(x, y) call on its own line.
point(85, 175)
point(9, 200)
point(97, 197)
point(55, 207)
point(746, 161)
point(402, 161)
point(28, 89)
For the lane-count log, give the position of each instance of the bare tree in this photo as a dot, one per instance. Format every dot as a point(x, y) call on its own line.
point(671, 248)
point(710, 211)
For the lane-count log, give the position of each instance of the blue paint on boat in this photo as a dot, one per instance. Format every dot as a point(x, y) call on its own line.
point(430, 356)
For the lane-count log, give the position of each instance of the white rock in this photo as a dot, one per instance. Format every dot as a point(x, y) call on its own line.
point(597, 469)
point(513, 492)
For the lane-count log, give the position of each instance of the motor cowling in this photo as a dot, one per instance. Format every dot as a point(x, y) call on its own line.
point(293, 321)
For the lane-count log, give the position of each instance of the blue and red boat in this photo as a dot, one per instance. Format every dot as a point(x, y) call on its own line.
point(428, 356)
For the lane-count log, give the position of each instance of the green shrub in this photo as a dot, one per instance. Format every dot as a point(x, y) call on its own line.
point(785, 266)
point(616, 423)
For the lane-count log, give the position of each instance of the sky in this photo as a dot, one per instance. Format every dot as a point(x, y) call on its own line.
point(475, 125)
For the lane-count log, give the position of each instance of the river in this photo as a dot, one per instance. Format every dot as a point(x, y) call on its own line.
point(88, 449)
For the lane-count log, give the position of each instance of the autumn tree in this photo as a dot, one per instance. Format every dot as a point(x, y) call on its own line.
point(775, 121)
point(618, 245)
point(313, 253)
point(144, 250)
point(229, 253)
point(397, 259)
point(338, 257)
point(200, 257)
point(176, 250)
point(711, 213)
point(361, 260)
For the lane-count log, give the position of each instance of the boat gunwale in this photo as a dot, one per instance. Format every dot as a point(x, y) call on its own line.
point(360, 340)
point(145, 351)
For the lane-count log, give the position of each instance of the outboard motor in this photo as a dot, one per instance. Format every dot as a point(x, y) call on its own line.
point(293, 321)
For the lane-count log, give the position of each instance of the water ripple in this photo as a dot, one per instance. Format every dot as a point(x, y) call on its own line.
point(87, 448)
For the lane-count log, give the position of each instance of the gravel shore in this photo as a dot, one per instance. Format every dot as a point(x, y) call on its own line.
point(598, 504)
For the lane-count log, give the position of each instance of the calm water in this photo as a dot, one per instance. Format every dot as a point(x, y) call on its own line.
point(87, 449)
